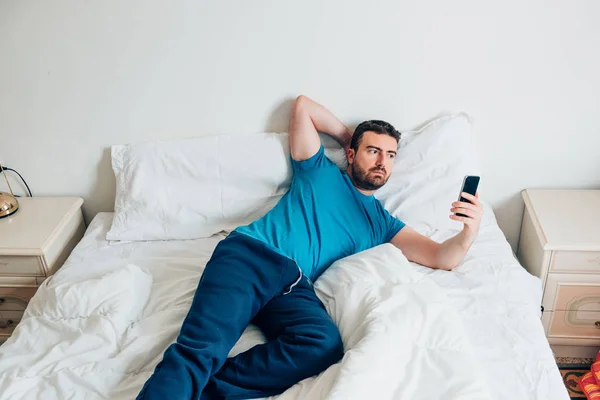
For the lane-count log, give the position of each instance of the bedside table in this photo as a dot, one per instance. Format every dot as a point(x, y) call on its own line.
point(560, 243)
point(35, 242)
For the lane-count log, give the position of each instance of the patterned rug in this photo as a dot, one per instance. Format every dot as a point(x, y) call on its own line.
point(571, 374)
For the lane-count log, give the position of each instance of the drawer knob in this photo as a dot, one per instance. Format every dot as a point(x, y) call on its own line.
point(22, 303)
point(6, 324)
point(597, 323)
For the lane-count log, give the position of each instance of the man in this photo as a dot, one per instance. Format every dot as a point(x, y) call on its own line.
point(261, 273)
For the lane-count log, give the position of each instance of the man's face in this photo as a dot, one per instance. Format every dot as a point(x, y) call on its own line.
point(371, 165)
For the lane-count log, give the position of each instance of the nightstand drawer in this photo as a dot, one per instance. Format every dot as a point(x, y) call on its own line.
point(575, 261)
point(575, 324)
point(21, 265)
point(7, 326)
point(15, 295)
point(572, 292)
point(8, 323)
point(13, 302)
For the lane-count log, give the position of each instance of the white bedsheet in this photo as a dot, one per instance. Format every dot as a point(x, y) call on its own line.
point(488, 308)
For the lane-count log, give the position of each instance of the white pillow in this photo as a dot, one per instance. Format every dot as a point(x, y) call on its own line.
point(194, 188)
point(429, 169)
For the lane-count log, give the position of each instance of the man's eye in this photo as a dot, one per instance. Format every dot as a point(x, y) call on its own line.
point(373, 151)
point(391, 155)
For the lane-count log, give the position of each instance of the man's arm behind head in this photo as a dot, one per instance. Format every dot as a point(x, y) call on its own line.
point(307, 119)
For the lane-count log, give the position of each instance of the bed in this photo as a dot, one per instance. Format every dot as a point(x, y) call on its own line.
point(99, 326)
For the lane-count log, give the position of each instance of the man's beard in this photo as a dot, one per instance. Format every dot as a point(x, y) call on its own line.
point(363, 181)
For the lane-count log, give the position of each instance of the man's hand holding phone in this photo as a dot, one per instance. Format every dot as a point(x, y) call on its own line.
point(473, 212)
point(468, 209)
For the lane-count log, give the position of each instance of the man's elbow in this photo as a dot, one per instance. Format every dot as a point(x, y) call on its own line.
point(446, 266)
point(442, 261)
point(301, 102)
point(437, 264)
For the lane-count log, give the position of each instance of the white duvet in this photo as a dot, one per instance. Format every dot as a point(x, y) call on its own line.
point(97, 328)
point(402, 339)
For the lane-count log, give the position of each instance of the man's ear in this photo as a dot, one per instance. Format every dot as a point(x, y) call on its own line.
point(350, 155)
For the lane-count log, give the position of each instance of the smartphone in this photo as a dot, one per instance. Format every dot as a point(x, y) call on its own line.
point(469, 185)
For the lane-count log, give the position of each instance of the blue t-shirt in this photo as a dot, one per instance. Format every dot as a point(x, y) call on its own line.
point(323, 218)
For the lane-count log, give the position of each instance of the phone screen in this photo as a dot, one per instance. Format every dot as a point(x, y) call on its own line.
point(470, 185)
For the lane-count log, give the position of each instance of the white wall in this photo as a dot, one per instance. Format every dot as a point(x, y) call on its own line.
point(76, 77)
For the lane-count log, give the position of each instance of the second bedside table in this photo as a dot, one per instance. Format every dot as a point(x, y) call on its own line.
point(35, 242)
point(560, 243)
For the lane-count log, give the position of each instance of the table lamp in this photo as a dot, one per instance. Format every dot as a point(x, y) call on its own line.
point(8, 202)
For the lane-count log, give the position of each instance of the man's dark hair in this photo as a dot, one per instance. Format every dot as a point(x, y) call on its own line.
point(373, 125)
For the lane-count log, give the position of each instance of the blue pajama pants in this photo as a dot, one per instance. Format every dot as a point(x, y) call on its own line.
point(246, 282)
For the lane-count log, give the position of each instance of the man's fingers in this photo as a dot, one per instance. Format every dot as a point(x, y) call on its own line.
point(465, 211)
point(461, 219)
point(471, 198)
point(462, 204)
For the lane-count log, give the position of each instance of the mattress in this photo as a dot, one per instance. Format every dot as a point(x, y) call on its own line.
point(496, 300)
